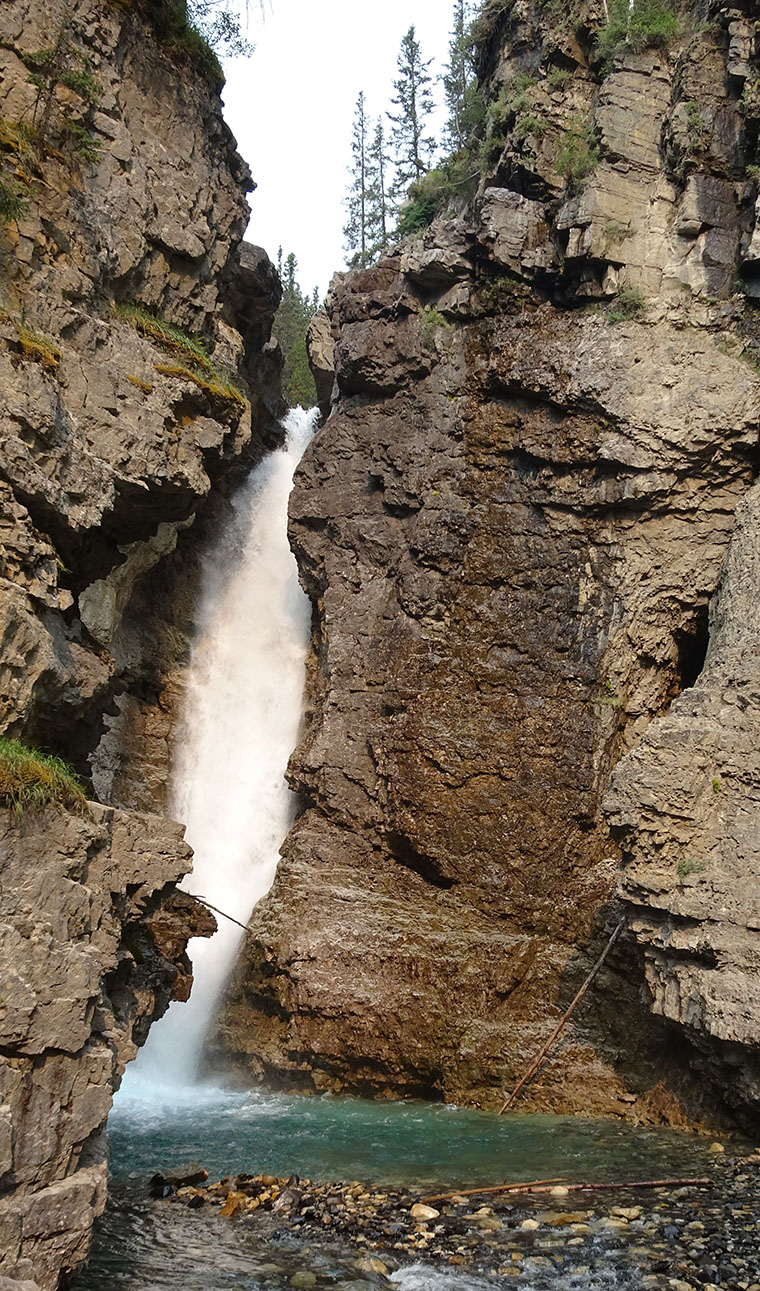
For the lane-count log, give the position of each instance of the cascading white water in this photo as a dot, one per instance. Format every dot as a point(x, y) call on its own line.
point(236, 732)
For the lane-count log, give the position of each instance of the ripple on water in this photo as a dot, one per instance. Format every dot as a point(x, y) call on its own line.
point(390, 1143)
point(147, 1246)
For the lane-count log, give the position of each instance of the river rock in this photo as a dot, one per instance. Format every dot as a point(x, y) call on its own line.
point(421, 1212)
point(371, 1264)
point(179, 1177)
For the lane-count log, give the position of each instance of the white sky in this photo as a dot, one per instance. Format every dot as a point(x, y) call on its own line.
point(291, 108)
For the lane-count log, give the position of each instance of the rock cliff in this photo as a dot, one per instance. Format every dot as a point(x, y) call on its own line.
point(137, 381)
point(129, 389)
point(92, 944)
point(511, 526)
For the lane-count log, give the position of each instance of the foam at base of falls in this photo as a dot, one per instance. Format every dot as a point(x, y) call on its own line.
point(237, 729)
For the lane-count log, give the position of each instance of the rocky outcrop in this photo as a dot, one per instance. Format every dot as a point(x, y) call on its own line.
point(685, 806)
point(125, 380)
point(138, 381)
point(511, 527)
point(92, 943)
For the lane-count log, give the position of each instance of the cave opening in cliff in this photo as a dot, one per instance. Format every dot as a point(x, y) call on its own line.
point(691, 645)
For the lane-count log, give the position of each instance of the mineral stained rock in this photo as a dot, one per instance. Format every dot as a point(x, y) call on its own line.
point(511, 527)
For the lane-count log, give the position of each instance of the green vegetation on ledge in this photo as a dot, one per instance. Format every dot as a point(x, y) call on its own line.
point(195, 31)
point(30, 779)
point(639, 25)
point(191, 359)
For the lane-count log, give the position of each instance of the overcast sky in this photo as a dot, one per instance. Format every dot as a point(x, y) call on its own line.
point(291, 108)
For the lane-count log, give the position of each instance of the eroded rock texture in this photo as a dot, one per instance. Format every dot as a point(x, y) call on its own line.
point(117, 450)
point(685, 805)
point(92, 944)
point(112, 441)
point(511, 527)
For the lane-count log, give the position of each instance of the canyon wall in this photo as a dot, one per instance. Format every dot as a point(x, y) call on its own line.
point(138, 381)
point(92, 946)
point(511, 526)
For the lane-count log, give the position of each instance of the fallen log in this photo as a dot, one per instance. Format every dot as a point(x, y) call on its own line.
point(476, 1192)
point(547, 1185)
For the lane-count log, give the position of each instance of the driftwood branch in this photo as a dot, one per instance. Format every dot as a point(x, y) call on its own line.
point(478, 1192)
point(640, 1183)
point(563, 1020)
point(216, 910)
point(546, 1185)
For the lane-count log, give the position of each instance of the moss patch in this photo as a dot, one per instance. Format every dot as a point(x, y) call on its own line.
point(38, 348)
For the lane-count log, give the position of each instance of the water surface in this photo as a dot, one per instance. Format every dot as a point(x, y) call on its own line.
point(391, 1143)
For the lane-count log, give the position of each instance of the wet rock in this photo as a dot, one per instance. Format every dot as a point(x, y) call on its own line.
point(82, 906)
point(166, 1181)
point(370, 1264)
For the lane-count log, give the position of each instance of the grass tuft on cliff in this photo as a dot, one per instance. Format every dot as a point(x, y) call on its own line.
point(191, 359)
point(30, 779)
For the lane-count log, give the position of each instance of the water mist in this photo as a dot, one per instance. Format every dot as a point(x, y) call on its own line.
point(237, 729)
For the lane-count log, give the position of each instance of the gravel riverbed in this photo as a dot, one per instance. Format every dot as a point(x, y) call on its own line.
point(684, 1237)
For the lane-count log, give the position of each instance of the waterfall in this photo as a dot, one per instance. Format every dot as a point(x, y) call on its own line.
point(236, 731)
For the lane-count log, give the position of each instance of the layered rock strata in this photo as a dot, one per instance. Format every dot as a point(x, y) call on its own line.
point(685, 806)
point(137, 381)
point(511, 526)
point(92, 943)
point(135, 359)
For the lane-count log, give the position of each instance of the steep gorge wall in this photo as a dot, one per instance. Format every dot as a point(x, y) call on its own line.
point(120, 440)
point(511, 526)
point(111, 443)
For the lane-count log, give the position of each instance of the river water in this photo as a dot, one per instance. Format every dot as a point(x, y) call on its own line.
point(151, 1245)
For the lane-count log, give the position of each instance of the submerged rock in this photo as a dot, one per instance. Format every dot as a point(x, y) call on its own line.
point(167, 1181)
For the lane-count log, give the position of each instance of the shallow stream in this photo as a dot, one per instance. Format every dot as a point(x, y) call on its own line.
point(679, 1239)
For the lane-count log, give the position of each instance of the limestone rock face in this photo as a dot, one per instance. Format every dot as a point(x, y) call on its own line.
point(686, 806)
point(631, 175)
point(92, 944)
point(112, 437)
point(511, 527)
point(137, 380)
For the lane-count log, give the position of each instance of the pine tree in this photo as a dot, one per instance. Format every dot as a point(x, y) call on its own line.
point(381, 209)
point(412, 148)
point(290, 326)
point(458, 79)
point(355, 230)
point(219, 22)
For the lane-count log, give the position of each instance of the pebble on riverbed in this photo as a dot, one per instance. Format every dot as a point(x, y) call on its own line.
point(676, 1238)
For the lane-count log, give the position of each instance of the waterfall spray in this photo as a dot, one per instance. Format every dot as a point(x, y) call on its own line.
point(237, 729)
